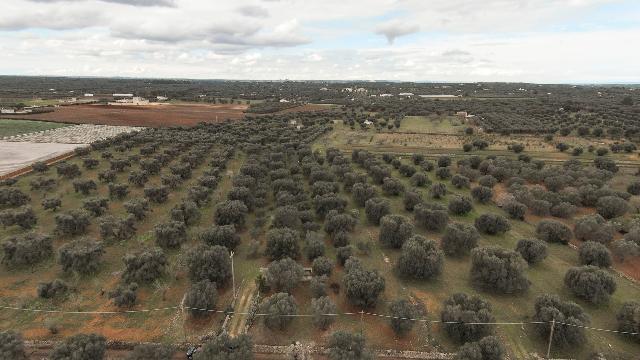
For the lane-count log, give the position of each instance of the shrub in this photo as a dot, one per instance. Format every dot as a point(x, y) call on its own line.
point(157, 194)
point(394, 230)
point(590, 283)
point(201, 298)
point(497, 269)
point(460, 181)
point(487, 181)
point(563, 210)
point(66, 170)
point(540, 207)
point(611, 206)
point(96, 206)
point(322, 266)
point(118, 229)
point(138, 178)
point(402, 312)
point(347, 346)
point(84, 186)
point(282, 243)
point(460, 205)
point(73, 222)
point(420, 259)
point(278, 306)
point(124, 296)
point(170, 180)
point(628, 318)
point(151, 351)
point(492, 224)
point(553, 231)
point(392, 186)
point(532, 251)
point(432, 217)
point(594, 253)
point(186, 212)
point(40, 166)
point(569, 318)
point(209, 263)
point(375, 208)
point(107, 176)
point(461, 309)
point(224, 347)
point(82, 256)
point(118, 191)
point(137, 207)
point(321, 306)
point(516, 210)
point(459, 239)
point(223, 235)
point(170, 234)
point(40, 183)
point(362, 286)
point(443, 173)
point(419, 179)
point(27, 249)
point(482, 194)
point(80, 347)
point(51, 203)
point(231, 212)
point(411, 199)
point(24, 217)
point(284, 275)
point(52, 289)
point(407, 170)
point(144, 266)
point(438, 190)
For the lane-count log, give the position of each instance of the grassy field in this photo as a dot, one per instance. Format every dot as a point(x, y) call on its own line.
point(10, 127)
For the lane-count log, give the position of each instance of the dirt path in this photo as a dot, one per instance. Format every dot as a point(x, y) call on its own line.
point(239, 321)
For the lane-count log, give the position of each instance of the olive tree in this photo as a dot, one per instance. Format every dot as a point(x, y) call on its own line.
point(590, 283)
point(80, 347)
point(144, 266)
point(420, 259)
point(594, 228)
point(347, 346)
point(363, 286)
point(497, 269)
point(232, 212)
point(73, 222)
point(201, 298)
point(594, 253)
point(82, 256)
point(459, 239)
point(403, 313)
point(487, 348)
point(322, 308)
point(278, 308)
point(432, 217)
point(375, 208)
point(611, 206)
point(628, 318)
point(569, 317)
point(492, 224)
point(225, 347)
point(553, 231)
point(223, 235)
point(209, 263)
point(394, 230)
point(532, 251)
point(460, 205)
point(27, 249)
point(282, 243)
point(463, 317)
point(284, 275)
point(170, 234)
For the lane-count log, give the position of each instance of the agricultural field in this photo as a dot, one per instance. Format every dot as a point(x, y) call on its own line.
point(12, 127)
point(301, 225)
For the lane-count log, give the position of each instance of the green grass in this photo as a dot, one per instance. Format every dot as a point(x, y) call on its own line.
point(431, 124)
point(10, 127)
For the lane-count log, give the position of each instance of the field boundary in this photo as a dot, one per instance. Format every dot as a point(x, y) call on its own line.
point(27, 169)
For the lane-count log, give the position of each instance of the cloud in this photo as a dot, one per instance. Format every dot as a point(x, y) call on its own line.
point(396, 28)
point(168, 3)
point(253, 11)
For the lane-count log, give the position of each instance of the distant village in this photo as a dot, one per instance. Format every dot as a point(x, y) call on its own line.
point(87, 98)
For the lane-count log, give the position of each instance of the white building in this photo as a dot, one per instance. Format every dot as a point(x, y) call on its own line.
point(88, 95)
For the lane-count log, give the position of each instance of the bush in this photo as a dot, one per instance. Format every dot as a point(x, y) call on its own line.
point(488, 348)
point(402, 312)
point(51, 203)
point(438, 190)
point(497, 269)
point(138, 178)
point(611, 207)
point(460, 205)
point(532, 251)
point(170, 180)
point(569, 318)
point(224, 347)
point(282, 243)
point(487, 181)
point(347, 346)
point(72, 223)
point(321, 266)
point(24, 217)
point(157, 194)
point(563, 210)
point(186, 212)
point(392, 186)
point(84, 186)
point(170, 234)
point(492, 224)
point(482, 194)
point(375, 208)
point(419, 179)
point(201, 298)
point(516, 210)
point(461, 309)
point(284, 275)
point(107, 176)
point(209, 263)
point(394, 230)
point(460, 181)
point(553, 231)
point(144, 266)
point(459, 239)
point(27, 249)
point(628, 318)
point(118, 191)
point(411, 199)
point(151, 351)
point(321, 306)
point(343, 254)
point(223, 235)
point(40, 183)
point(66, 170)
point(420, 259)
point(590, 283)
point(96, 206)
point(363, 286)
point(594, 253)
point(80, 347)
point(40, 166)
point(82, 256)
point(52, 289)
point(278, 306)
point(124, 296)
point(443, 173)
point(231, 212)
point(137, 207)
point(432, 217)
point(11, 345)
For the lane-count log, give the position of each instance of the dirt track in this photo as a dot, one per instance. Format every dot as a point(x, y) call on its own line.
point(143, 115)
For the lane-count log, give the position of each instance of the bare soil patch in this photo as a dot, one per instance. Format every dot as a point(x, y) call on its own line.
point(145, 115)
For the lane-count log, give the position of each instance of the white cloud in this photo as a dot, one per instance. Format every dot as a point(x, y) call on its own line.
point(394, 29)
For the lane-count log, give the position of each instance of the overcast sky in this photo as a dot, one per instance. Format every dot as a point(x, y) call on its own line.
point(544, 41)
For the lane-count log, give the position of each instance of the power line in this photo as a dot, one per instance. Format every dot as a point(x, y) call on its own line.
point(497, 323)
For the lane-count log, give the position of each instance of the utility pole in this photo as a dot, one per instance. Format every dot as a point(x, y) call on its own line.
point(553, 325)
point(233, 279)
point(362, 322)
